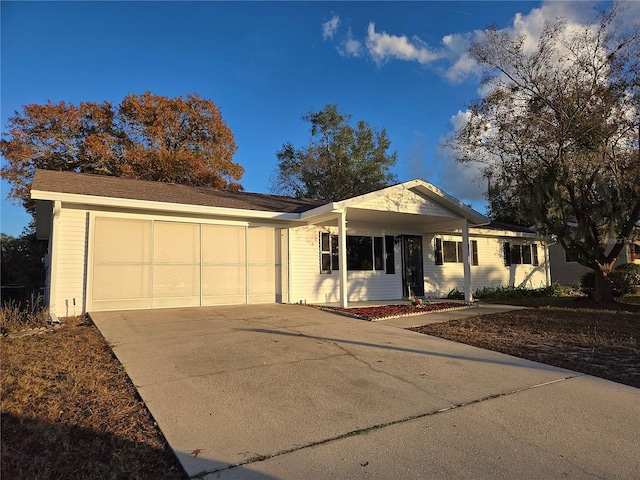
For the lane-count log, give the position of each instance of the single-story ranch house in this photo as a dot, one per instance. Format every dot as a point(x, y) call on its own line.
point(118, 243)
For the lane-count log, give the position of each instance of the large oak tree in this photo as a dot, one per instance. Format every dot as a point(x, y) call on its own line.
point(557, 131)
point(341, 161)
point(151, 137)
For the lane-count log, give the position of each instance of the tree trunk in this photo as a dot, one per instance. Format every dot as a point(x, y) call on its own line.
point(603, 292)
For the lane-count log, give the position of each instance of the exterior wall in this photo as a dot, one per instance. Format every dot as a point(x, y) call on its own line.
point(407, 202)
point(570, 273)
point(563, 272)
point(309, 285)
point(70, 252)
point(490, 272)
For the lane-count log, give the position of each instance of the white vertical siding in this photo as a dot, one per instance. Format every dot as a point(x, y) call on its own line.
point(70, 255)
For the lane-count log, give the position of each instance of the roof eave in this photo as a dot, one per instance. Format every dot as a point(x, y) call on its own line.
point(161, 206)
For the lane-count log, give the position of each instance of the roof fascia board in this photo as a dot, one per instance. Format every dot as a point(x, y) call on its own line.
point(485, 232)
point(321, 210)
point(452, 203)
point(161, 206)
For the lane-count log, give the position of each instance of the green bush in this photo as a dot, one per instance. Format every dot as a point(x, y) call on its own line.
point(500, 292)
point(630, 271)
point(455, 294)
point(623, 280)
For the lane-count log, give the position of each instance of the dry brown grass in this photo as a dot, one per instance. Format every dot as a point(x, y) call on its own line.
point(13, 318)
point(598, 340)
point(70, 411)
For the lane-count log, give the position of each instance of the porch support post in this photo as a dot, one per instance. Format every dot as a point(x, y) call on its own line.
point(342, 257)
point(468, 297)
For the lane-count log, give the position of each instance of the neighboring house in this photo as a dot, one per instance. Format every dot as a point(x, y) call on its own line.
point(118, 243)
point(567, 271)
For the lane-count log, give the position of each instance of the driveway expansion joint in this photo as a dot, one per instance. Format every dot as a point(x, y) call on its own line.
point(365, 430)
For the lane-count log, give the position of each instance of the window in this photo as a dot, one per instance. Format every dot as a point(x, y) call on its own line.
point(390, 260)
point(451, 252)
point(363, 253)
point(474, 252)
point(516, 254)
point(520, 254)
point(325, 252)
point(359, 253)
point(506, 252)
point(634, 251)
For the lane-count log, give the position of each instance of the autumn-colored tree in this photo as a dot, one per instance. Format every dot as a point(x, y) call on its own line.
point(151, 137)
point(340, 161)
point(557, 131)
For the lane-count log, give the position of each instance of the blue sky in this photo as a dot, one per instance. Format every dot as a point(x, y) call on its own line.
point(396, 65)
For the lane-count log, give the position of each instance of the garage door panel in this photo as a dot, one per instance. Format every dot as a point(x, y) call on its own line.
point(113, 282)
point(223, 280)
point(176, 281)
point(176, 242)
point(122, 241)
point(223, 244)
point(121, 304)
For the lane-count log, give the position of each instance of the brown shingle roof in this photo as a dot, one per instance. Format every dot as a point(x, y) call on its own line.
point(115, 187)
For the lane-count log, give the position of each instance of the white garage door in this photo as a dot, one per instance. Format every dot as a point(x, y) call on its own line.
point(150, 264)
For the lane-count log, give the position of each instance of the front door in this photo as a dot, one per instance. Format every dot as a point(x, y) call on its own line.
point(412, 273)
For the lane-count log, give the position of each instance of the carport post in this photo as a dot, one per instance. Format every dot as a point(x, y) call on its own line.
point(468, 297)
point(342, 256)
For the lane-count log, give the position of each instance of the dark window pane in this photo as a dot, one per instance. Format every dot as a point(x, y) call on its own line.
point(377, 253)
point(516, 254)
point(324, 244)
point(325, 253)
point(474, 252)
point(449, 252)
point(460, 254)
point(326, 263)
point(438, 250)
point(359, 253)
point(507, 254)
point(526, 254)
point(390, 258)
point(335, 259)
point(534, 252)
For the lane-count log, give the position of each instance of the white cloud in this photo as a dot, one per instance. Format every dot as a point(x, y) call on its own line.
point(350, 47)
point(382, 47)
point(450, 56)
point(330, 27)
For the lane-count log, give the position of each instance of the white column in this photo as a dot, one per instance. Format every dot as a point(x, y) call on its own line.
point(466, 260)
point(342, 257)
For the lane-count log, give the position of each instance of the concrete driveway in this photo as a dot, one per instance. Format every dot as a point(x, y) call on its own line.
point(290, 392)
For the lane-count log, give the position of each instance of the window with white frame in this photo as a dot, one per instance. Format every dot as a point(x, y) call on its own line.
point(518, 254)
point(363, 253)
point(447, 251)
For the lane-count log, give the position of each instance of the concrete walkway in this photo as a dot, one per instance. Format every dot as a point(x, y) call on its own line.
point(289, 392)
point(439, 317)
